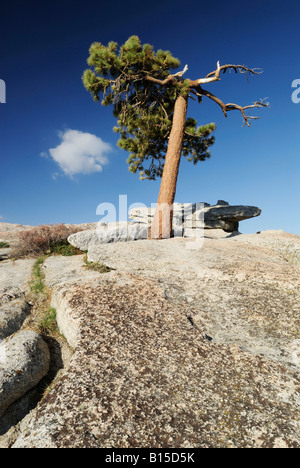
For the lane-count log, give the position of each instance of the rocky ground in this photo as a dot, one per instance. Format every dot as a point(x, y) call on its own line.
point(178, 345)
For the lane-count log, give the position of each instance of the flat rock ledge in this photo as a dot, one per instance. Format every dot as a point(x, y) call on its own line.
point(190, 216)
point(24, 361)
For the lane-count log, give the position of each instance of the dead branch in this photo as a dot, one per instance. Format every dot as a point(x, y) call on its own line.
point(237, 68)
point(247, 118)
point(202, 92)
point(214, 76)
point(181, 73)
point(231, 106)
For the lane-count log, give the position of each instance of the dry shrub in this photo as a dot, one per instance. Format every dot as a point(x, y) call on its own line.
point(42, 240)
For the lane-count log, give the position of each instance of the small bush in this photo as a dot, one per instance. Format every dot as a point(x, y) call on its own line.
point(65, 249)
point(48, 323)
point(43, 317)
point(43, 240)
point(4, 245)
point(37, 284)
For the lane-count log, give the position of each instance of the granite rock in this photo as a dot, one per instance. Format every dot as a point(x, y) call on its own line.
point(176, 347)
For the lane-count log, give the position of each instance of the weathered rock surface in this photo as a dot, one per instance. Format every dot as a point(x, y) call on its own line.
point(177, 347)
point(24, 361)
point(14, 277)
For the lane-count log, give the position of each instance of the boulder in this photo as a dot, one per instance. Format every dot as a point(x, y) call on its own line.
point(24, 361)
point(12, 316)
point(112, 232)
point(4, 253)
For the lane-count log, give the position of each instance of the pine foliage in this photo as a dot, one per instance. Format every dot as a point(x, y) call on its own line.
point(144, 110)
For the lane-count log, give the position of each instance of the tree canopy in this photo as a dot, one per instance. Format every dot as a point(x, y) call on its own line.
point(130, 78)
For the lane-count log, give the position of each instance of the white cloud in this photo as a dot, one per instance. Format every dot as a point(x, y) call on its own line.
point(1, 218)
point(80, 153)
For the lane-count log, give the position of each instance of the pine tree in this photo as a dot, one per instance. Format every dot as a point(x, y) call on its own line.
point(150, 105)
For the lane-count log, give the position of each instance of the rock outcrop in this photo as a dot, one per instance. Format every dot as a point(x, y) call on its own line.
point(188, 217)
point(189, 220)
point(176, 347)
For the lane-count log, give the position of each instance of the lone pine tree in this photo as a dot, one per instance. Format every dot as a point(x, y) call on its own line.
point(151, 105)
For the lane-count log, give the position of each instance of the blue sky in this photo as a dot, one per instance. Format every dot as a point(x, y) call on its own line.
point(44, 47)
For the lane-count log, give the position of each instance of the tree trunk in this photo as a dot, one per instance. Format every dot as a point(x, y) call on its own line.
point(162, 226)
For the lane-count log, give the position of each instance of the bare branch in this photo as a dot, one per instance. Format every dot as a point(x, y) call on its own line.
point(169, 79)
point(202, 92)
point(247, 118)
point(237, 68)
point(230, 106)
point(181, 73)
point(215, 76)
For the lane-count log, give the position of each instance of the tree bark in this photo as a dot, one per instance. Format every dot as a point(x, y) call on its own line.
point(162, 227)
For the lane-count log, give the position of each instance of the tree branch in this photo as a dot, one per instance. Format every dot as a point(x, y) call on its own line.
point(215, 75)
point(236, 68)
point(202, 92)
point(230, 106)
point(164, 82)
point(169, 78)
point(181, 73)
point(160, 103)
point(247, 118)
